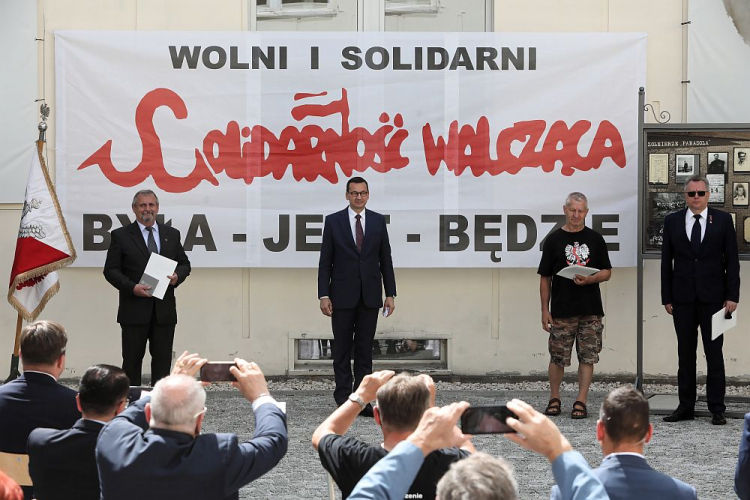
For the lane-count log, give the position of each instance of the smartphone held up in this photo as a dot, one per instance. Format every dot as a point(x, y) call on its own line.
point(486, 420)
point(217, 371)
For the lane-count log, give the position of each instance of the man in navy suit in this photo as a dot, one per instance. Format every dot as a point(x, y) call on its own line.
point(355, 264)
point(700, 274)
point(742, 472)
point(61, 462)
point(142, 317)
point(35, 399)
point(622, 431)
point(155, 450)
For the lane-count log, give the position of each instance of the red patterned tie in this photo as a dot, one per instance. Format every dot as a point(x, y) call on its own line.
point(359, 232)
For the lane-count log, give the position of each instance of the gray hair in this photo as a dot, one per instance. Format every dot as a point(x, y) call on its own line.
point(177, 400)
point(576, 196)
point(480, 476)
point(696, 178)
point(144, 192)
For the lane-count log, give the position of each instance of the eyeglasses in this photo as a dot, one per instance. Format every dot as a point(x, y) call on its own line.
point(692, 194)
point(358, 194)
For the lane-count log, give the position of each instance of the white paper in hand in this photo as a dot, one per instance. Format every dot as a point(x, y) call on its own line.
point(720, 324)
point(570, 272)
point(157, 270)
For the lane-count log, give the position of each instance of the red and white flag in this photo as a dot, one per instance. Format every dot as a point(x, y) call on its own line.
point(43, 244)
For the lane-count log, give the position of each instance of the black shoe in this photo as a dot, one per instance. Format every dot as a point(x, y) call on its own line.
point(718, 418)
point(366, 411)
point(679, 414)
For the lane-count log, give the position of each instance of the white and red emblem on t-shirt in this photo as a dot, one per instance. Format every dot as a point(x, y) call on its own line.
point(577, 254)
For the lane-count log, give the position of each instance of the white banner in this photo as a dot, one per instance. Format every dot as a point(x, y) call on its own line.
point(470, 142)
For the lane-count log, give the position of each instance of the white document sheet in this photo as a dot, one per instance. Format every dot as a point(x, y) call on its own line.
point(571, 271)
point(720, 324)
point(156, 274)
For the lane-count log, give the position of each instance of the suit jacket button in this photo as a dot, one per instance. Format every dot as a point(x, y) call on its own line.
point(696, 260)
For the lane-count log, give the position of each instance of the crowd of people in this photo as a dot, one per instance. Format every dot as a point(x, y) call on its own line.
point(94, 443)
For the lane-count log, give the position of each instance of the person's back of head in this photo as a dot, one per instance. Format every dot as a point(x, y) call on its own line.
point(43, 346)
point(103, 392)
point(478, 477)
point(624, 416)
point(177, 403)
point(402, 401)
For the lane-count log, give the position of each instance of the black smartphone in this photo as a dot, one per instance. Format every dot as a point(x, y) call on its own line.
point(217, 371)
point(135, 392)
point(486, 420)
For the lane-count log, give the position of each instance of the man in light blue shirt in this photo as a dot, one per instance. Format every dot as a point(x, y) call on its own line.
point(391, 477)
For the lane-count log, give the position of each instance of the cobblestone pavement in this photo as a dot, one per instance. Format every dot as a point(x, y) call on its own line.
point(695, 451)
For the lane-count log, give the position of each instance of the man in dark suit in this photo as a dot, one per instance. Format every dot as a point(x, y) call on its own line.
point(623, 430)
point(355, 264)
point(155, 450)
point(142, 317)
point(742, 472)
point(700, 274)
point(35, 399)
point(62, 462)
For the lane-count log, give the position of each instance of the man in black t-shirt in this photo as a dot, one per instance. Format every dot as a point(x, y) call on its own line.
point(572, 307)
point(401, 401)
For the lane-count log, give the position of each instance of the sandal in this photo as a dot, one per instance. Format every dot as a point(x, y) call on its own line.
point(554, 407)
point(579, 410)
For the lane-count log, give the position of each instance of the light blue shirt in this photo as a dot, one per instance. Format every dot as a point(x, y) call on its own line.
point(575, 478)
point(156, 235)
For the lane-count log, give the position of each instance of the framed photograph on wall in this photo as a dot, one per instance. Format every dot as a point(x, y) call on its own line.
point(739, 194)
point(715, 188)
point(746, 228)
point(741, 161)
point(658, 168)
point(717, 162)
point(685, 167)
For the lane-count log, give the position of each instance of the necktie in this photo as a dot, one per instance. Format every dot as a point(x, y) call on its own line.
point(695, 235)
point(151, 241)
point(359, 232)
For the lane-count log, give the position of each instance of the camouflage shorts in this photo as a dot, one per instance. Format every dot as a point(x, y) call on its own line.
point(586, 331)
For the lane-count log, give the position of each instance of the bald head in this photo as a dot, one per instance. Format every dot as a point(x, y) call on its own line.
point(176, 403)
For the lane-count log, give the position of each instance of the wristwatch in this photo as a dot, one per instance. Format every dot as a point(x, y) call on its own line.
point(354, 397)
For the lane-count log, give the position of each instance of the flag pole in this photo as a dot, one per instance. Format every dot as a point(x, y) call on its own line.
point(14, 373)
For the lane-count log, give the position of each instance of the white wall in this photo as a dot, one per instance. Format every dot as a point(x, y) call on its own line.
point(491, 316)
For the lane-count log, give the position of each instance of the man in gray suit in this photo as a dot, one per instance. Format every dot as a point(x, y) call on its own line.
point(622, 431)
point(155, 450)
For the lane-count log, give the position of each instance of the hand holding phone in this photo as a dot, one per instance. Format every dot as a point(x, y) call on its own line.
point(217, 371)
point(486, 420)
point(386, 311)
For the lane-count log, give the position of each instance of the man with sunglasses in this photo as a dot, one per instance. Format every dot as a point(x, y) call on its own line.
point(355, 265)
point(700, 274)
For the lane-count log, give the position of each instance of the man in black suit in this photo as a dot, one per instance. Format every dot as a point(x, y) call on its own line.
point(62, 462)
point(700, 274)
point(35, 399)
point(142, 317)
point(155, 448)
point(355, 263)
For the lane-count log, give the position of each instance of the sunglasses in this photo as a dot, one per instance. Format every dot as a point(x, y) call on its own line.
point(692, 194)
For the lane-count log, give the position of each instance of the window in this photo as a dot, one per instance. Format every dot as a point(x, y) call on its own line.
point(410, 6)
point(294, 8)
